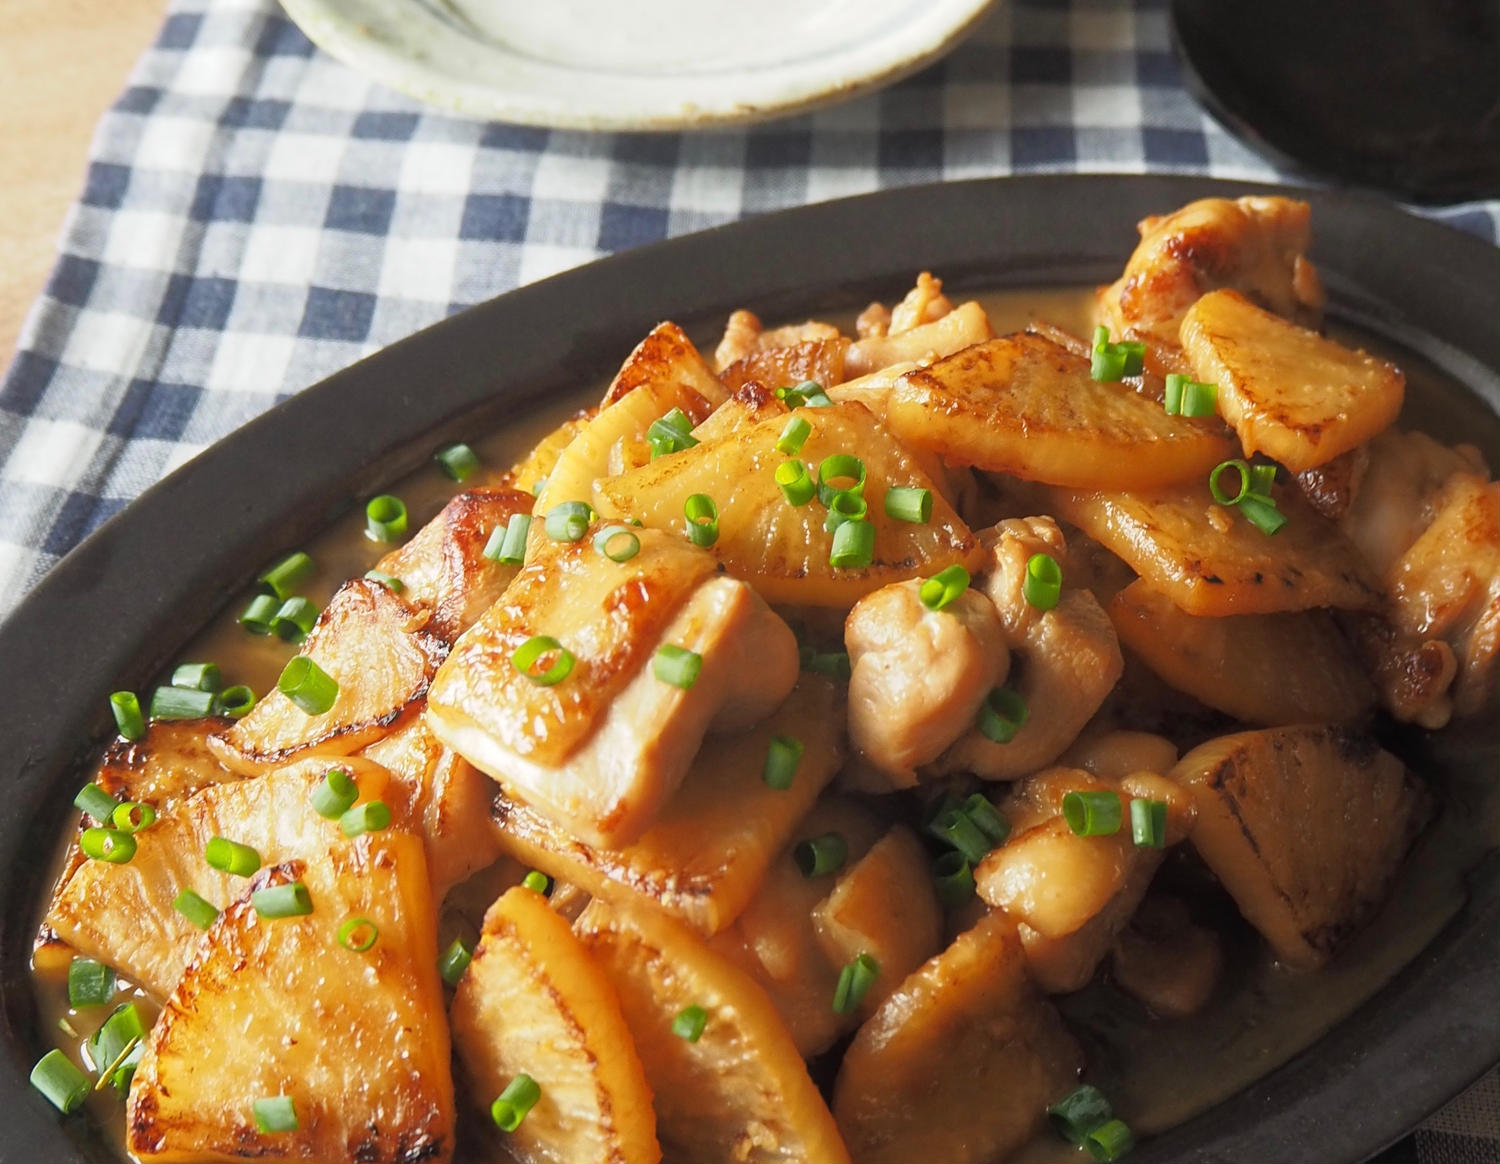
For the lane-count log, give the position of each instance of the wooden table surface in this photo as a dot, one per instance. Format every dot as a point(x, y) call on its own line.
point(62, 63)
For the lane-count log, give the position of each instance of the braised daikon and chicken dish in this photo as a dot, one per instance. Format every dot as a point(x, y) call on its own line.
point(761, 767)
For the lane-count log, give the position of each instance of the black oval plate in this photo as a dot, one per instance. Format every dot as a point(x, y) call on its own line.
point(117, 608)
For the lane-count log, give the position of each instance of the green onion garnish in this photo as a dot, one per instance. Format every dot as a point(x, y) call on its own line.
point(1042, 586)
point(231, 857)
point(943, 588)
point(569, 521)
point(809, 393)
point(96, 802)
point(1172, 393)
point(1148, 823)
point(819, 855)
point(127, 711)
point(1262, 478)
point(198, 911)
point(507, 543)
point(294, 619)
point(1109, 1141)
point(533, 651)
point(676, 665)
point(335, 795)
point(389, 581)
point(954, 878)
point(90, 983)
point(133, 817)
point(385, 518)
point(689, 1023)
point(455, 961)
point(287, 575)
point(834, 664)
point(358, 934)
point(1092, 814)
point(308, 685)
point(258, 615)
point(853, 546)
point(61, 1081)
point(782, 758)
point(1079, 1114)
point(458, 461)
point(370, 817)
point(1184, 397)
point(1253, 499)
point(235, 702)
point(1218, 471)
point(275, 1113)
point(979, 810)
point(908, 503)
point(518, 1098)
point(1115, 361)
point(845, 506)
point(1262, 514)
point(955, 827)
point(180, 703)
point(198, 676)
point(855, 981)
point(100, 844)
point(537, 882)
point(840, 467)
point(796, 486)
point(1002, 715)
point(670, 434)
point(618, 543)
point(279, 901)
point(109, 1045)
point(702, 519)
point(793, 436)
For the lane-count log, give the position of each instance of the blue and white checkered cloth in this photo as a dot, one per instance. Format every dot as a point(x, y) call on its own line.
point(257, 216)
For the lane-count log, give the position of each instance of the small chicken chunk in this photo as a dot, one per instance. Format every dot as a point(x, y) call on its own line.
point(1169, 964)
point(964, 325)
point(924, 303)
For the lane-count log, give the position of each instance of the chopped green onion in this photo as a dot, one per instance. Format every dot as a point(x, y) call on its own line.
point(455, 961)
point(1002, 715)
point(979, 810)
point(537, 882)
point(1262, 478)
point(96, 802)
point(518, 1098)
point(1115, 361)
point(617, 543)
point(569, 521)
point(1148, 823)
point(1042, 586)
point(1218, 471)
point(1199, 399)
point(180, 703)
point(853, 546)
point(533, 651)
point(275, 1113)
point(702, 519)
point(845, 506)
point(955, 879)
point(834, 664)
point(308, 685)
point(112, 1041)
point(335, 795)
point(1109, 1141)
point(1080, 1113)
point(1262, 514)
point(294, 619)
point(90, 983)
point(909, 503)
point(287, 575)
point(122, 1070)
point(279, 901)
point(840, 467)
point(385, 518)
point(670, 434)
point(133, 817)
point(809, 393)
point(201, 913)
point(955, 827)
point(458, 461)
point(793, 436)
point(127, 711)
point(782, 758)
point(235, 702)
point(689, 1023)
point(231, 857)
point(370, 817)
point(819, 855)
point(507, 544)
point(1092, 814)
point(99, 844)
point(258, 615)
point(943, 588)
point(61, 1081)
point(358, 934)
point(1172, 393)
point(796, 486)
point(676, 665)
point(198, 676)
point(855, 981)
point(389, 581)
point(537, 486)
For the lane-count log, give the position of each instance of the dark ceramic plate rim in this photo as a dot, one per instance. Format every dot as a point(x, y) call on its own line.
point(116, 608)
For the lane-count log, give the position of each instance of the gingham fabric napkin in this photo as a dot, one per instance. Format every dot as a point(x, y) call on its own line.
point(257, 216)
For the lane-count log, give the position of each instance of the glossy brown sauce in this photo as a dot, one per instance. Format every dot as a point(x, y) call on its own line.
point(1158, 1073)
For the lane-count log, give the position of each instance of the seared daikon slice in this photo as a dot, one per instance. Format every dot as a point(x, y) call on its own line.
point(665, 358)
point(751, 401)
point(172, 759)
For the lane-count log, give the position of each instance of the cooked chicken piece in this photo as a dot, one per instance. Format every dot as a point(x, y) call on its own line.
point(534, 1002)
point(1330, 488)
point(1253, 245)
point(874, 320)
point(1164, 960)
point(740, 1091)
point(1286, 390)
point(530, 473)
point(745, 335)
point(964, 325)
point(709, 848)
point(924, 303)
point(818, 360)
point(1025, 406)
point(667, 359)
point(750, 402)
point(959, 1064)
point(375, 646)
point(1117, 754)
point(172, 759)
point(741, 331)
point(1305, 827)
point(918, 677)
point(1071, 895)
point(1064, 660)
point(602, 751)
point(443, 568)
point(268, 1008)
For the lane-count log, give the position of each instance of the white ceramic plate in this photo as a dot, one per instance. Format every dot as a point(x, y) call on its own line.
point(634, 64)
